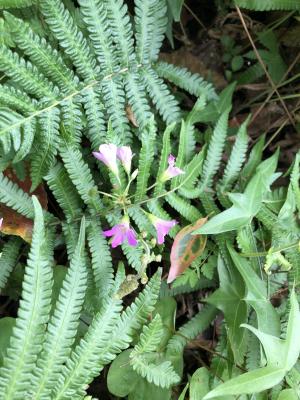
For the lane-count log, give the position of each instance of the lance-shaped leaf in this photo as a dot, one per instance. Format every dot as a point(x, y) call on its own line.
point(268, 318)
point(186, 248)
point(281, 356)
point(230, 298)
point(244, 205)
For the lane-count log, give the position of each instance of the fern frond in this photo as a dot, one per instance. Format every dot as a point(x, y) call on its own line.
point(48, 60)
point(95, 16)
point(184, 208)
point(253, 160)
point(132, 318)
point(71, 233)
point(8, 259)
point(146, 159)
point(26, 74)
point(133, 255)
point(85, 361)
point(192, 170)
point(14, 197)
point(163, 163)
point(10, 136)
point(161, 374)
point(236, 159)
point(114, 99)
point(139, 217)
point(161, 96)
point(71, 118)
point(15, 98)
point(45, 145)
point(268, 5)
point(96, 128)
point(137, 99)
point(63, 324)
point(150, 25)
point(181, 77)
point(28, 333)
point(214, 151)
point(191, 329)
point(101, 260)
point(27, 132)
point(81, 176)
point(185, 148)
point(16, 3)
point(64, 191)
point(121, 30)
point(70, 37)
point(150, 337)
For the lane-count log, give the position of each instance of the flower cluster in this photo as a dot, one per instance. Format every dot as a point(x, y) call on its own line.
point(122, 232)
point(110, 153)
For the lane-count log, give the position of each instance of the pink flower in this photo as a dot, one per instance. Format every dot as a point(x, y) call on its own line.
point(171, 171)
point(162, 227)
point(1, 220)
point(121, 232)
point(108, 155)
point(125, 155)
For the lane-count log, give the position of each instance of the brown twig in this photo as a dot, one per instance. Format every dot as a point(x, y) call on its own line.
point(264, 66)
point(273, 91)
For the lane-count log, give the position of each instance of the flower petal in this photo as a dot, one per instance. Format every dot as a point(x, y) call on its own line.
point(112, 231)
point(131, 237)
point(118, 238)
point(171, 160)
point(162, 229)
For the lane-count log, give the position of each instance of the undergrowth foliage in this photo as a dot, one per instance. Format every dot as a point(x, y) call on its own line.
point(90, 111)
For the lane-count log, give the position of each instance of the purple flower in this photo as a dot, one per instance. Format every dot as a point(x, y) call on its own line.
point(162, 227)
point(125, 155)
point(171, 171)
point(121, 232)
point(108, 155)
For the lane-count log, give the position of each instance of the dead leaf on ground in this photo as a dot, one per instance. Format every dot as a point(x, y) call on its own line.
point(186, 248)
point(13, 222)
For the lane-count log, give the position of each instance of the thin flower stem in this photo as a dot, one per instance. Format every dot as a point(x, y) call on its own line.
point(107, 194)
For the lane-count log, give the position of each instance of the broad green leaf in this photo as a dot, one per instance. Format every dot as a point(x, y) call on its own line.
point(281, 357)
point(244, 205)
point(175, 6)
point(213, 110)
point(121, 378)
point(186, 248)
point(199, 384)
point(268, 318)
point(288, 394)
point(251, 382)
point(229, 298)
point(183, 393)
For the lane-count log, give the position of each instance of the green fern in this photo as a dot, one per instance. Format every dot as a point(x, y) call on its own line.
point(28, 334)
point(146, 160)
point(8, 260)
point(104, 70)
point(214, 152)
point(63, 324)
point(16, 3)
